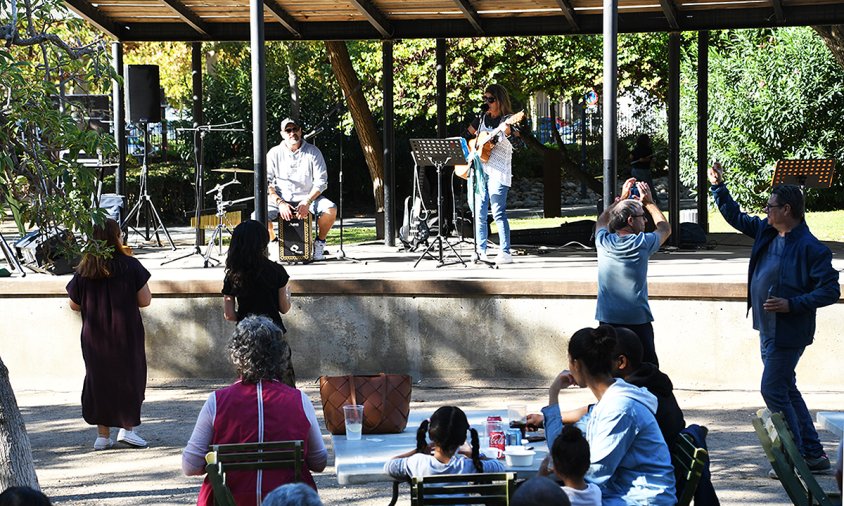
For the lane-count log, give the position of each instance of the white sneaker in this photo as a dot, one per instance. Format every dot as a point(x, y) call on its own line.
point(131, 438)
point(480, 257)
point(103, 443)
point(503, 258)
point(319, 249)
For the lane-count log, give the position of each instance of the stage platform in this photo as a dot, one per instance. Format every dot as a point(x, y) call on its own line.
point(380, 313)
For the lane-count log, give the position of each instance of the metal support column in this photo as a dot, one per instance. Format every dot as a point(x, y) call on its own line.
point(441, 90)
point(118, 106)
point(703, 129)
point(259, 107)
point(198, 120)
point(674, 136)
point(389, 146)
point(610, 119)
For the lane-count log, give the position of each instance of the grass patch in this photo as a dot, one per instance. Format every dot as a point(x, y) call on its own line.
point(826, 226)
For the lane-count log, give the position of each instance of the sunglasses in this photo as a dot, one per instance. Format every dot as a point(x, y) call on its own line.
point(489, 100)
point(291, 130)
point(637, 216)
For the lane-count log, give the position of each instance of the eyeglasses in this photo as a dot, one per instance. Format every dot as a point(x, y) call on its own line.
point(637, 216)
point(772, 206)
point(489, 100)
point(291, 130)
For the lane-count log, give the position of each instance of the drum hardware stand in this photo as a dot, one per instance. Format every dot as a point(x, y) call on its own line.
point(145, 206)
point(440, 153)
point(199, 132)
point(222, 207)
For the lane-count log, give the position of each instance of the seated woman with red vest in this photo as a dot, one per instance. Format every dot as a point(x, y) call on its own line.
point(256, 408)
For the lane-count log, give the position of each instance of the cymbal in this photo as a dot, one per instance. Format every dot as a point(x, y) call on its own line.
point(233, 169)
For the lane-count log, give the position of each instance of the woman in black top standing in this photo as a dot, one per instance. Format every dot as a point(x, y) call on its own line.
point(254, 284)
point(640, 163)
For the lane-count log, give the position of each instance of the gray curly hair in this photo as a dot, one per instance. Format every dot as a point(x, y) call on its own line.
point(258, 350)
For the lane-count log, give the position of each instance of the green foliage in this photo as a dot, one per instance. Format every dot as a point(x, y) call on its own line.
point(774, 94)
point(40, 179)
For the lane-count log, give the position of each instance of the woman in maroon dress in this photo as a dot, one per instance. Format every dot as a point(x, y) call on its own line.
point(109, 290)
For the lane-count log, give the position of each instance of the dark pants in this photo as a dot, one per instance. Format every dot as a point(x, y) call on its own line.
point(645, 331)
point(779, 389)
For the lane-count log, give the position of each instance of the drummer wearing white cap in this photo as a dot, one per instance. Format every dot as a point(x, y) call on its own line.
point(297, 176)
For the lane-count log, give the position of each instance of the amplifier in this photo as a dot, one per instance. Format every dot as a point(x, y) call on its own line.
point(295, 243)
point(43, 252)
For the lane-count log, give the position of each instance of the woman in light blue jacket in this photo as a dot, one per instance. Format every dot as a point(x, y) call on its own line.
point(630, 461)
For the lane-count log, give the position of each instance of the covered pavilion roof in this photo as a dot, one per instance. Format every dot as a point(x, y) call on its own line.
point(222, 20)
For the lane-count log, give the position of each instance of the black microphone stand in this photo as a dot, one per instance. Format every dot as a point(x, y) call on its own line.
point(199, 132)
point(341, 255)
point(476, 220)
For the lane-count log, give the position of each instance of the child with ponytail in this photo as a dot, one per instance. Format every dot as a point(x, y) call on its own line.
point(445, 454)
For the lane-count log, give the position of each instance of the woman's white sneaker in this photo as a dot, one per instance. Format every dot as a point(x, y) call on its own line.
point(131, 438)
point(103, 443)
point(503, 258)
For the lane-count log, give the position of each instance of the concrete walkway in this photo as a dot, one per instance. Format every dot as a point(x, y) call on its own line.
point(71, 473)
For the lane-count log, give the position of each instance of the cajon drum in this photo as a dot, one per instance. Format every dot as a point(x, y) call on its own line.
point(295, 240)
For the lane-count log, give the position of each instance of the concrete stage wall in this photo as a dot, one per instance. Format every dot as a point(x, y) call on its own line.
point(456, 329)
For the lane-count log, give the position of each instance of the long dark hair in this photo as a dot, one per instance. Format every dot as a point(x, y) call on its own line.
point(447, 428)
point(503, 98)
point(248, 246)
point(594, 349)
point(99, 266)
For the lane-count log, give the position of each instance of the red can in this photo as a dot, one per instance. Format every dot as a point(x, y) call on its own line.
point(495, 431)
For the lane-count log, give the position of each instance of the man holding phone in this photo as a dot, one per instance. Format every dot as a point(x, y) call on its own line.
point(789, 277)
point(623, 252)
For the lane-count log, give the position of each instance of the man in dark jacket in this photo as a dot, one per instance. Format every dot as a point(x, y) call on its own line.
point(628, 366)
point(790, 276)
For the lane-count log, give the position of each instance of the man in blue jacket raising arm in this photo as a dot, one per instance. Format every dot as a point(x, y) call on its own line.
point(790, 276)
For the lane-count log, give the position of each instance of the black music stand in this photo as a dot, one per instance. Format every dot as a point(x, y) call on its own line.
point(439, 153)
point(812, 173)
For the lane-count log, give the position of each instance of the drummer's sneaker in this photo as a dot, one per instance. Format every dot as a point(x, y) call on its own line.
point(131, 438)
point(319, 249)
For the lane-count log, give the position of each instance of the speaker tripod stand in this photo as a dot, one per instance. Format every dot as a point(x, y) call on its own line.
point(439, 153)
point(146, 207)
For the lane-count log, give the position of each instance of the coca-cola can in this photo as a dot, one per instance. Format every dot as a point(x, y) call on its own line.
point(497, 439)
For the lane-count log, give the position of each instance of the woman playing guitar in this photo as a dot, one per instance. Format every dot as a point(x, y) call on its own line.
point(489, 186)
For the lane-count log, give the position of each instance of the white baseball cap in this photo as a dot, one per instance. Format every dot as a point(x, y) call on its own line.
point(287, 121)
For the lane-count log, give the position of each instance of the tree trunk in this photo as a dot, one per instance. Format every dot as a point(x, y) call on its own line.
point(566, 164)
point(295, 105)
point(373, 151)
point(834, 37)
point(16, 467)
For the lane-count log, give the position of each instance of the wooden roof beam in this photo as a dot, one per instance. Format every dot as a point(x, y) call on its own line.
point(471, 15)
point(189, 17)
point(670, 11)
point(778, 12)
point(568, 12)
point(96, 18)
point(375, 17)
point(284, 17)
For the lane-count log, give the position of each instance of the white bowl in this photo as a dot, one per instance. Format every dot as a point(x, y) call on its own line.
point(518, 456)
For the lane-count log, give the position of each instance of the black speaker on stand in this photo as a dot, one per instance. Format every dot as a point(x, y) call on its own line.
point(143, 106)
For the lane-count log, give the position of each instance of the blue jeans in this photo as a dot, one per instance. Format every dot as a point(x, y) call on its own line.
point(779, 389)
point(494, 194)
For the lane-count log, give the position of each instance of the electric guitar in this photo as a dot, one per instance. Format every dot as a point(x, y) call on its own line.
point(480, 144)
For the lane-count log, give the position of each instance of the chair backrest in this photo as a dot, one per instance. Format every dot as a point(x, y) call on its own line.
point(483, 488)
point(787, 461)
point(247, 457)
point(691, 461)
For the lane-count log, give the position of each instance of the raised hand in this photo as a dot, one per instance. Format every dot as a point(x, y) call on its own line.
point(716, 174)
